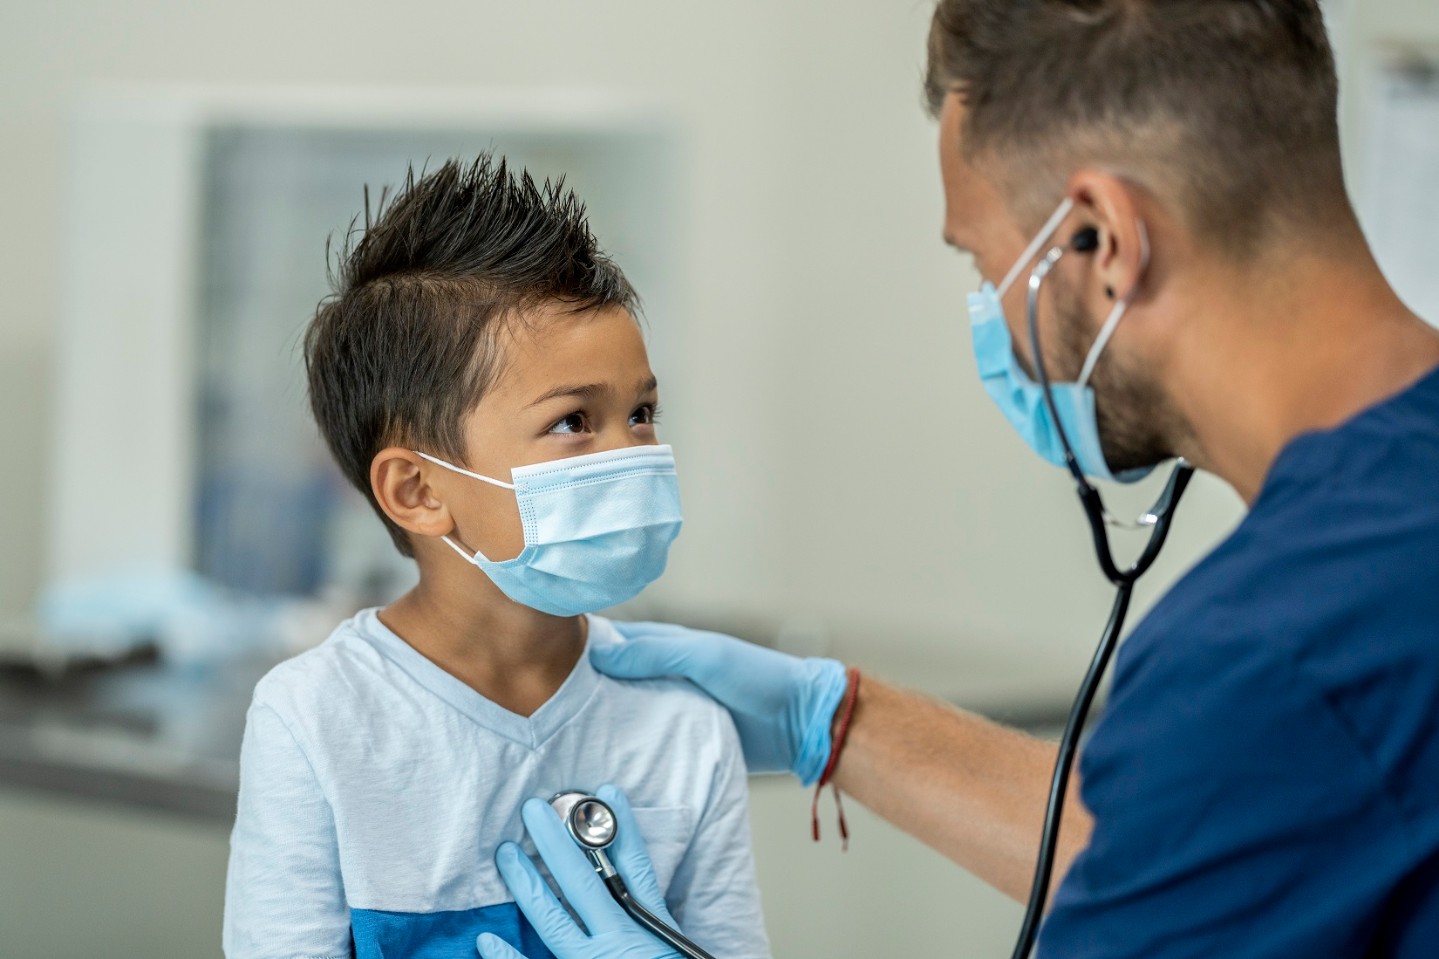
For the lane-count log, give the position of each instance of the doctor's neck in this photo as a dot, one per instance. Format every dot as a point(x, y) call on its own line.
point(1301, 340)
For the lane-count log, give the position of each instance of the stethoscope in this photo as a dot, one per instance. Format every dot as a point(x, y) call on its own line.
point(592, 825)
point(1157, 520)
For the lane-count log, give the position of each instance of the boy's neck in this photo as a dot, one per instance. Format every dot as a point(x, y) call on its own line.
point(514, 656)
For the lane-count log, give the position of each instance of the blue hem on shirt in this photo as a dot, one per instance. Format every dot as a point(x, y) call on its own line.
point(380, 934)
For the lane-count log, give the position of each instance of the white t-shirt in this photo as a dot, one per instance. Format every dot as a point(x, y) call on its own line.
point(375, 788)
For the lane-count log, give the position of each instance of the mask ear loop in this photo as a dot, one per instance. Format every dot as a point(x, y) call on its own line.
point(1115, 315)
point(463, 472)
point(1035, 245)
point(1156, 512)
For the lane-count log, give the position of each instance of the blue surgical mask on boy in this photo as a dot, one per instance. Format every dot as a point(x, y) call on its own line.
point(598, 528)
point(1019, 397)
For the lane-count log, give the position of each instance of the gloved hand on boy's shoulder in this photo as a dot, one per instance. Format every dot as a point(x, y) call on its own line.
point(782, 705)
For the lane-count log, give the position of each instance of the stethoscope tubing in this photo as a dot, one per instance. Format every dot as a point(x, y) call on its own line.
point(662, 930)
point(1063, 768)
point(1123, 579)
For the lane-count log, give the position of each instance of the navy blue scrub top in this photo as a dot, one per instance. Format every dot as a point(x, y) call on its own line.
point(1265, 779)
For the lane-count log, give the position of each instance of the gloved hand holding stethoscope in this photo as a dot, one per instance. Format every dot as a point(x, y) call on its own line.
point(568, 832)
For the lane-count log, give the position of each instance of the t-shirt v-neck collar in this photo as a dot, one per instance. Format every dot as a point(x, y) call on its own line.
point(530, 731)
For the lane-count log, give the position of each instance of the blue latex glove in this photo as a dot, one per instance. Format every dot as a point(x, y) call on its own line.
point(612, 933)
point(782, 705)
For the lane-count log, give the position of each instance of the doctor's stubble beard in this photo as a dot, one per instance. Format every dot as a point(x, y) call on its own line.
point(1138, 425)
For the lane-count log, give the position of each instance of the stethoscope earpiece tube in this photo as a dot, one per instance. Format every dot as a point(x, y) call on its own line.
point(1160, 518)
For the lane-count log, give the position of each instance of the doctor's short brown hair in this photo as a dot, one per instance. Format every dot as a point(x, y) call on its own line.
point(1228, 106)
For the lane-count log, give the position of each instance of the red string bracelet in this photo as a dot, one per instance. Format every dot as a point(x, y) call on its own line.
point(841, 735)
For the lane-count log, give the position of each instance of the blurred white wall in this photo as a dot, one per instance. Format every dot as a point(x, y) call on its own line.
point(839, 458)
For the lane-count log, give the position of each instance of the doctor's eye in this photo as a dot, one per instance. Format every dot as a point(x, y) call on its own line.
point(646, 415)
point(574, 423)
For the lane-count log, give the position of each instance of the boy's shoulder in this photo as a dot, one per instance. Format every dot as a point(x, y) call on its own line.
point(658, 697)
point(342, 668)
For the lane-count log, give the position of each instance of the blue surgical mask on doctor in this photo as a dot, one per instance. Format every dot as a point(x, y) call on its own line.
point(597, 528)
point(1019, 397)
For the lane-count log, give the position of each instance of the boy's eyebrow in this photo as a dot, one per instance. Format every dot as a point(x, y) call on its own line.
point(590, 389)
point(587, 390)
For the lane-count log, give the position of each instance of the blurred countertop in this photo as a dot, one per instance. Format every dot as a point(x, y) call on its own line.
point(165, 737)
point(150, 734)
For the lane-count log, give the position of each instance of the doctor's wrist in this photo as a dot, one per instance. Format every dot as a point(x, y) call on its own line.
point(839, 735)
point(841, 723)
point(819, 696)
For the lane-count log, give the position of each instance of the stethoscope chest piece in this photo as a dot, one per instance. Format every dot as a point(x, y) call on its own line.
point(589, 820)
point(593, 826)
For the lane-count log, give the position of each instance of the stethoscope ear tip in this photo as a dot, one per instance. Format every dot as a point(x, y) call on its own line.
point(1085, 241)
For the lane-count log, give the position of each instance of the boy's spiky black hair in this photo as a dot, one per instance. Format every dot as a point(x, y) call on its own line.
point(405, 346)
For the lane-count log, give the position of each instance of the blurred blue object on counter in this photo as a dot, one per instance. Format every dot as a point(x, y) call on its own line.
point(190, 619)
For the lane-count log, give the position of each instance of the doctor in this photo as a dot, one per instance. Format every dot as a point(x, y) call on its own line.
point(1265, 779)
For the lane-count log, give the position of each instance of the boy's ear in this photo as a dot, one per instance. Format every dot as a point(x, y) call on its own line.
point(397, 478)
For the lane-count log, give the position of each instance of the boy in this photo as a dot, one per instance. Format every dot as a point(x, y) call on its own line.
point(480, 377)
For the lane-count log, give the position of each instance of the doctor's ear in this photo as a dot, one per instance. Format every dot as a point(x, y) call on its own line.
point(399, 481)
point(1115, 238)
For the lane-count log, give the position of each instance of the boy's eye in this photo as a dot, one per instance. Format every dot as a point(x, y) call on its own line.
point(574, 423)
